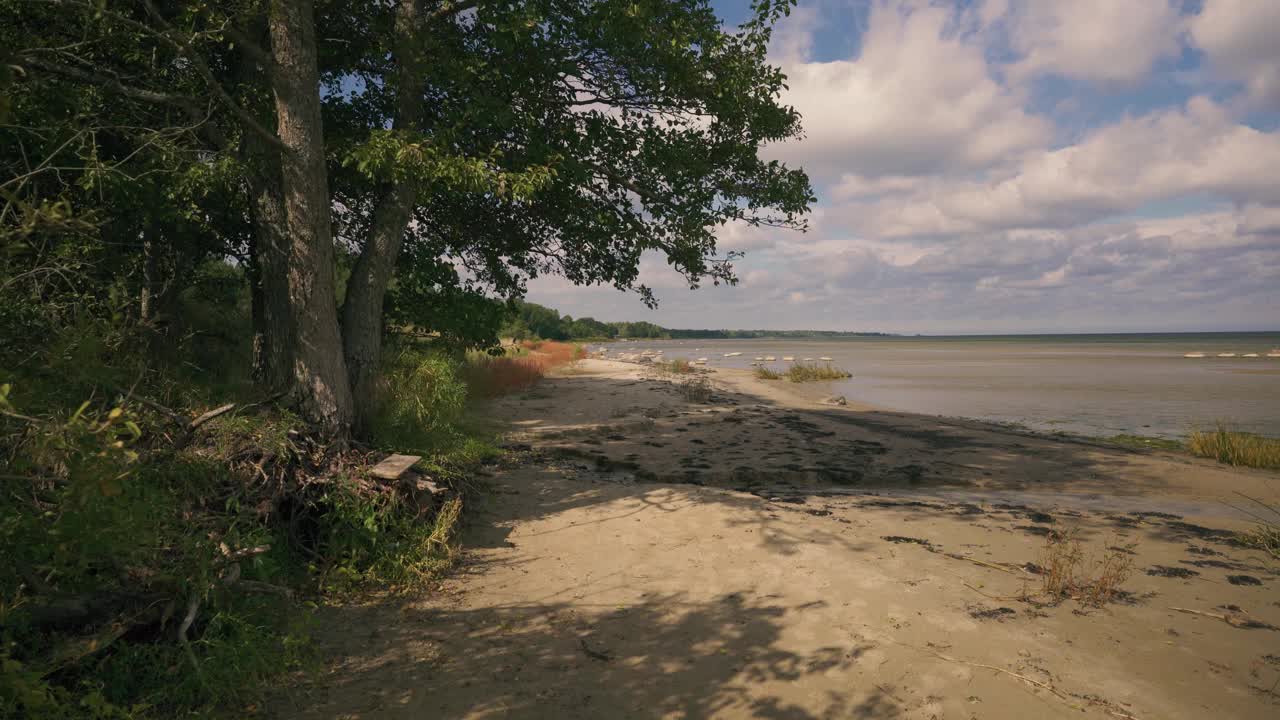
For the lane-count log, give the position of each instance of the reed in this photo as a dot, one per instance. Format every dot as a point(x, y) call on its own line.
point(812, 372)
point(493, 375)
point(1235, 448)
point(764, 373)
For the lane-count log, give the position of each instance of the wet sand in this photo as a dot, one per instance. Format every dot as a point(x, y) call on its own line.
point(757, 554)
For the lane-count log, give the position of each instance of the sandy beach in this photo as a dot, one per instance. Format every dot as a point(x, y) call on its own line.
point(754, 553)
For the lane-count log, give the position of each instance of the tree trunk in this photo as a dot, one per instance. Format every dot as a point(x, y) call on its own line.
point(367, 287)
point(319, 372)
point(269, 276)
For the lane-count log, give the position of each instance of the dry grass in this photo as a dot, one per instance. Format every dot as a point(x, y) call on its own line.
point(1235, 448)
point(679, 366)
point(811, 372)
point(697, 389)
point(519, 369)
point(764, 373)
point(1067, 572)
point(1265, 535)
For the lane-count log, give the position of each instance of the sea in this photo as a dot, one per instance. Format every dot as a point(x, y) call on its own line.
point(1095, 385)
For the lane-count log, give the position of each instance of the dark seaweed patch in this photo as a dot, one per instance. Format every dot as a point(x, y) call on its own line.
point(1173, 572)
point(1243, 580)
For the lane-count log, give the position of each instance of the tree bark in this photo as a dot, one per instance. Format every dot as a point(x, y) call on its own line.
point(362, 324)
point(269, 277)
point(319, 376)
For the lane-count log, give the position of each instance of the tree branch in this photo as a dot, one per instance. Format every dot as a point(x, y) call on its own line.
point(110, 83)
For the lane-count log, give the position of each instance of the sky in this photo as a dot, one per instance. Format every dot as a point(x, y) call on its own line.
point(1009, 166)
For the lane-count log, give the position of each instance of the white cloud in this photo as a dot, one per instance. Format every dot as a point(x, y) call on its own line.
point(1191, 151)
point(1241, 39)
point(1112, 41)
point(947, 204)
point(918, 99)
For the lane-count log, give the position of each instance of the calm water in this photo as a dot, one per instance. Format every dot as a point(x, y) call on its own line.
point(1087, 384)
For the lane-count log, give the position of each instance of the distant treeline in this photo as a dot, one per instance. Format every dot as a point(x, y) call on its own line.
point(531, 320)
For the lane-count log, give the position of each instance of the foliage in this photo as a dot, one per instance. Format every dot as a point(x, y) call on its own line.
point(420, 392)
point(1235, 448)
point(765, 373)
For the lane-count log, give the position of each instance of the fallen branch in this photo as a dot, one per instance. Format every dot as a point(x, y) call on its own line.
point(193, 607)
point(206, 417)
point(978, 562)
point(1234, 619)
point(594, 654)
point(1105, 705)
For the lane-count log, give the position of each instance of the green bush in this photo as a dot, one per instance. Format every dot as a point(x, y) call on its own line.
point(421, 398)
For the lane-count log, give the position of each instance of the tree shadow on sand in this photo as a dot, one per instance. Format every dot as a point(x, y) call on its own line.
point(668, 656)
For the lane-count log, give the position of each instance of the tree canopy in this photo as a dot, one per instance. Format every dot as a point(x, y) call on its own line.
point(433, 155)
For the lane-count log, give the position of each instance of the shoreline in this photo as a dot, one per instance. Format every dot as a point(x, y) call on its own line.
point(642, 552)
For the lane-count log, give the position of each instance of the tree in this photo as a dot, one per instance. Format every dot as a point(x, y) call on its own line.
point(505, 139)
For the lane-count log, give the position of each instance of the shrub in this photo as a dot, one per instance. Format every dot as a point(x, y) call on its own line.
point(1066, 572)
point(764, 373)
point(420, 393)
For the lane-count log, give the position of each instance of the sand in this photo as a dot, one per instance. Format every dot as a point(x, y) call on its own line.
point(757, 554)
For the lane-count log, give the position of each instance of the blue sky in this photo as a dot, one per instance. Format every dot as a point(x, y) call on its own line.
point(1011, 166)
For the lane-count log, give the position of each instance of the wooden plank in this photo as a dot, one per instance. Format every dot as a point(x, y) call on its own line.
point(395, 466)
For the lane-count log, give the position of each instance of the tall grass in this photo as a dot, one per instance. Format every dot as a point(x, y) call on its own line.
point(517, 369)
point(764, 373)
point(1235, 448)
point(811, 372)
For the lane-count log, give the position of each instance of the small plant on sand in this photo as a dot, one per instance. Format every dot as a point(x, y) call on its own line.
point(1265, 535)
point(764, 373)
point(696, 389)
point(679, 366)
point(810, 372)
point(1235, 448)
point(1066, 571)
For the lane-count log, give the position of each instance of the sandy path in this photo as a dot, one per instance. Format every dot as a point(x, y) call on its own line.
point(596, 587)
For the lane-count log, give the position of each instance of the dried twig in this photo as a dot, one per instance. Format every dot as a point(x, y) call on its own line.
point(1105, 705)
point(1234, 619)
point(979, 562)
point(193, 607)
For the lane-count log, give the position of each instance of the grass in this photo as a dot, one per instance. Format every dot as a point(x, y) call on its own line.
point(696, 389)
point(98, 501)
point(1235, 448)
point(679, 366)
point(813, 372)
point(1066, 570)
point(517, 369)
point(764, 373)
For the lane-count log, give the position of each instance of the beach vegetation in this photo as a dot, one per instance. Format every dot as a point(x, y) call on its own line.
point(1265, 534)
point(228, 289)
point(678, 366)
point(815, 372)
point(765, 373)
point(489, 374)
point(1143, 442)
point(1067, 571)
point(1235, 448)
point(696, 388)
